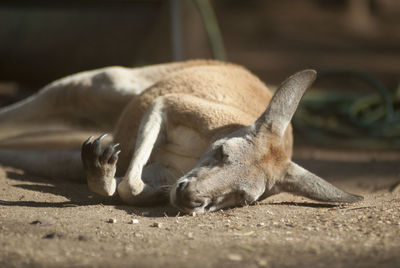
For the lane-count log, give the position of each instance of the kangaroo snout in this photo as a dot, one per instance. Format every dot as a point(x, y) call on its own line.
point(185, 197)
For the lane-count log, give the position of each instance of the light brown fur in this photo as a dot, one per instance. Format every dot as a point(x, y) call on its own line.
point(238, 99)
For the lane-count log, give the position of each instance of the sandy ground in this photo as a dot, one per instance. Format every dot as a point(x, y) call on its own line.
point(51, 223)
point(47, 223)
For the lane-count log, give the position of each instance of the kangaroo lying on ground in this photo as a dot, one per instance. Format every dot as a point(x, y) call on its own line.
point(206, 132)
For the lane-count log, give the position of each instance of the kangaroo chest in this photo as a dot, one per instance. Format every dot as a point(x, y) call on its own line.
point(180, 151)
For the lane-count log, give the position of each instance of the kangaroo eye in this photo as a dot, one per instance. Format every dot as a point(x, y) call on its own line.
point(221, 155)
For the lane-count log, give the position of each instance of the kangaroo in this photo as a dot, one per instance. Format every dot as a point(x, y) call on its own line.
point(203, 134)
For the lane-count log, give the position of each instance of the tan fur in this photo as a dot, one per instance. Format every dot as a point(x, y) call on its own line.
point(210, 97)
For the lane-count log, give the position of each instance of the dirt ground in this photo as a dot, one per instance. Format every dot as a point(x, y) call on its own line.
point(53, 223)
point(45, 223)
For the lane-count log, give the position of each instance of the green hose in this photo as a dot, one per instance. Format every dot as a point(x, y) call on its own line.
point(350, 118)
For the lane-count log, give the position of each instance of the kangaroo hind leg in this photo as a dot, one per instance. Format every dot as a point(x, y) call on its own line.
point(57, 164)
point(86, 101)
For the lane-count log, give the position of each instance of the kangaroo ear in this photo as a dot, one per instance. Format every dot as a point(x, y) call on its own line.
point(299, 181)
point(285, 101)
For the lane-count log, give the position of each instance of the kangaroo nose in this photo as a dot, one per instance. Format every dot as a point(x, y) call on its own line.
point(185, 197)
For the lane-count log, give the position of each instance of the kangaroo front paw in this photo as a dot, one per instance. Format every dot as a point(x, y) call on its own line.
point(100, 165)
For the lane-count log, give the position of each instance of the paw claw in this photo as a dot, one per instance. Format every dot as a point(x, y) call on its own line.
point(102, 136)
point(86, 144)
point(98, 159)
point(88, 140)
point(96, 145)
point(115, 145)
point(108, 152)
point(114, 157)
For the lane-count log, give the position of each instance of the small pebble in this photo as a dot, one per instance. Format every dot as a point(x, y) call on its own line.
point(52, 235)
point(190, 235)
point(82, 238)
point(112, 220)
point(262, 262)
point(44, 221)
point(193, 214)
point(235, 257)
point(156, 224)
point(260, 224)
point(134, 221)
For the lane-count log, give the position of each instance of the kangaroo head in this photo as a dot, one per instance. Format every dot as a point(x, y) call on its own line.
point(254, 162)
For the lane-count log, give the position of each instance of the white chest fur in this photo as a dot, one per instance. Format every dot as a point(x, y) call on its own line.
point(181, 151)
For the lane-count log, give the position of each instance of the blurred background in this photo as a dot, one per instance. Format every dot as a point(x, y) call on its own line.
point(354, 44)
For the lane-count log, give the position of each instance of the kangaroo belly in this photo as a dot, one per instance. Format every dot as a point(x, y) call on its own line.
point(181, 151)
